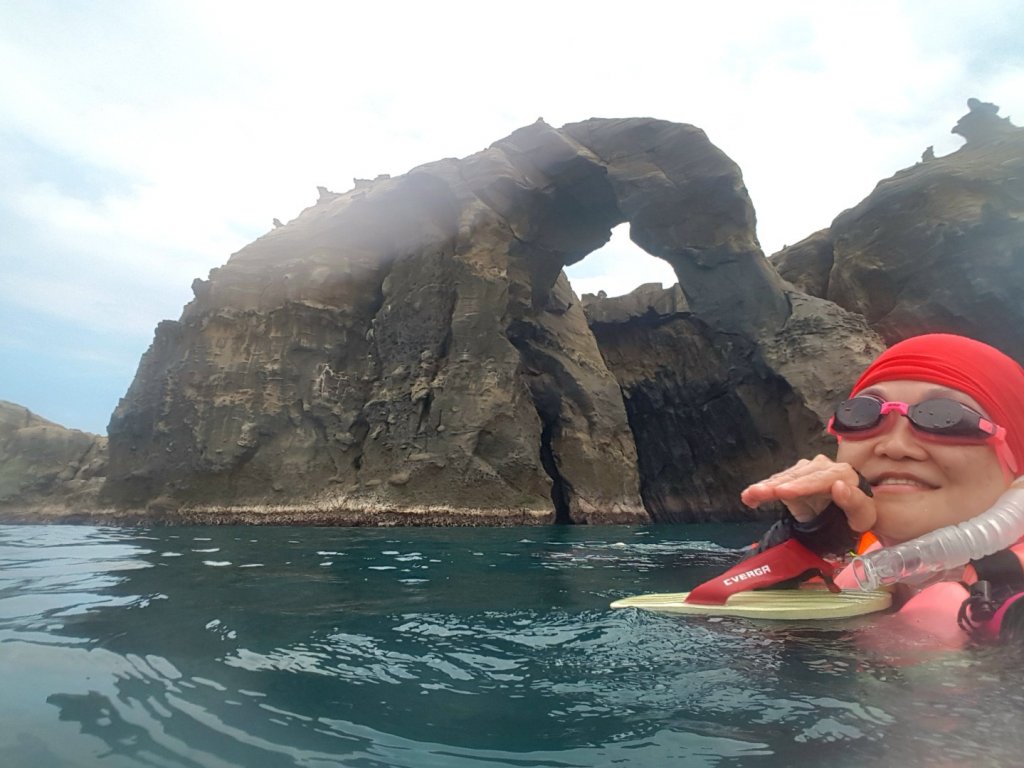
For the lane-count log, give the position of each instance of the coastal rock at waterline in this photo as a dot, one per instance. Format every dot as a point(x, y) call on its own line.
point(710, 411)
point(45, 467)
point(937, 247)
point(413, 346)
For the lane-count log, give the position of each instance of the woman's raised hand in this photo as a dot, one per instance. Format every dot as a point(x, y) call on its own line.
point(809, 486)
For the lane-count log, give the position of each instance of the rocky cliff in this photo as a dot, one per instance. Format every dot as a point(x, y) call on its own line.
point(46, 470)
point(410, 351)
point(937, 247)
point(413, 346)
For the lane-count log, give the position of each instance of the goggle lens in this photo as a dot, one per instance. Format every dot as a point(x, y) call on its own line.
point(941, 416)
point(857, 414)
point(947, 417)
point(940, 419)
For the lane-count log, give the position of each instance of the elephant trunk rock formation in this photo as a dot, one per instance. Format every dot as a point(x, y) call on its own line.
point(411, 350)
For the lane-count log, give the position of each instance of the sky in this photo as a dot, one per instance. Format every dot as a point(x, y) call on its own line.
point(142, 143)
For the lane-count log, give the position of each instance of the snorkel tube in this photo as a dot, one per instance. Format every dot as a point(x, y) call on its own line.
point(947, 548)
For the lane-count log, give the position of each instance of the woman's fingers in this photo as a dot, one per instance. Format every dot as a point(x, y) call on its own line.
point(858, 506)
point(764, 490)
point(804, 478)
point(807, 487)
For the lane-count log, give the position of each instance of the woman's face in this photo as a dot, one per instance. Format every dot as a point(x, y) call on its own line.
point(921, 485)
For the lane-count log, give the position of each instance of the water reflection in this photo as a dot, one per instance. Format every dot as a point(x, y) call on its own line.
point(425, 647)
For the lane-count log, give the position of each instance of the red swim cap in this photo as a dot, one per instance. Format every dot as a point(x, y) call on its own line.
point(995, 380)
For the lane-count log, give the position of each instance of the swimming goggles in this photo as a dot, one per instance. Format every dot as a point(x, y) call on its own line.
point(940, 419)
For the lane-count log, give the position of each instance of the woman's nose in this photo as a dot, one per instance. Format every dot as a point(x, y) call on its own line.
point(898, 440)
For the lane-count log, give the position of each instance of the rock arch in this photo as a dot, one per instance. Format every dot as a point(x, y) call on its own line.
point(465, 377)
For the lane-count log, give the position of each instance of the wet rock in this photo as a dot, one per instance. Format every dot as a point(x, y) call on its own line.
point(937, 247)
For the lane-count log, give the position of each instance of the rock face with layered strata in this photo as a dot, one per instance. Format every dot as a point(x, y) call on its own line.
point(712, 410)
point(45, 469)
point(937, 247)
point(414, 345)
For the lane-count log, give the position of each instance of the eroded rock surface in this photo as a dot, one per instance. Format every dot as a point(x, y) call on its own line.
point(712, 410)
point(937, 247)
point(46, 470)
point(414, 342)
point(411, 351)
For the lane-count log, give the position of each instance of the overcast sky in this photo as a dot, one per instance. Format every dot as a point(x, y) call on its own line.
point(142, 143)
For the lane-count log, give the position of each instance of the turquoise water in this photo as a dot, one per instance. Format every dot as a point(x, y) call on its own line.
point(452, 647)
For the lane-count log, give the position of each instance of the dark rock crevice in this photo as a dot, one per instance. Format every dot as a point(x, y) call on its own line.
point(547, 400)
point(560, 493)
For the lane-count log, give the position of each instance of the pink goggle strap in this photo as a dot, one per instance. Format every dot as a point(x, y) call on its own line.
point(996, 435)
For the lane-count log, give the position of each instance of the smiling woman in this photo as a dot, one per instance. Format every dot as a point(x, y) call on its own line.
point(922, 480)
point(933, 434)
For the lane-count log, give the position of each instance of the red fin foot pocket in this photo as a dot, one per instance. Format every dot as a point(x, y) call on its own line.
point(784, 562)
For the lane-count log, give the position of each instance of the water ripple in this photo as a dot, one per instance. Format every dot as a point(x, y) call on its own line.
point(448, 648)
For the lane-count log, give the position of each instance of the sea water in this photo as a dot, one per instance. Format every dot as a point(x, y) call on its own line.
point(292, 646)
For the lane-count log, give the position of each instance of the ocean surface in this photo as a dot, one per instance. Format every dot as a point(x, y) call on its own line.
point(287, 646)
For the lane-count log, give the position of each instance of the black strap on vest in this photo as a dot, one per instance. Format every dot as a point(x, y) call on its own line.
point(1002, 569)
point(1000, 575)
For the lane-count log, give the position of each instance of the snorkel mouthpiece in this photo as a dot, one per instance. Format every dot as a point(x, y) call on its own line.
point(943, 549)
point(886, 566)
